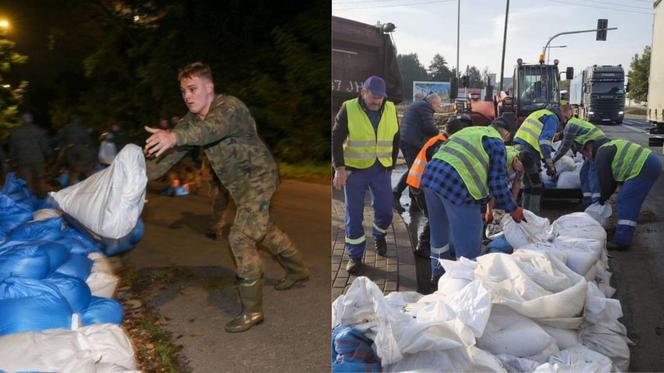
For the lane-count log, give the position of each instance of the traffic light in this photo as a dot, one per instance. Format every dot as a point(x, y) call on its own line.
point(602, 25)
point(454, 88)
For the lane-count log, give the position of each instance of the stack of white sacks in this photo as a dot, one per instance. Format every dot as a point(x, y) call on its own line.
point(568, 169)
point(544, 308)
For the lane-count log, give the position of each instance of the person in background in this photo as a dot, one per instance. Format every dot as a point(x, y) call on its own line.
point(633, 167)
point(417, 126)
point(107, 150)
point(28, 151)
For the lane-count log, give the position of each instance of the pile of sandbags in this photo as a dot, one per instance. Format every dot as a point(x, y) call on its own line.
point(55, 285)
point(568, 169)
point(544, 308)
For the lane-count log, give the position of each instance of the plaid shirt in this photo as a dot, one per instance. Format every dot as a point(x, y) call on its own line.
point(443, 179)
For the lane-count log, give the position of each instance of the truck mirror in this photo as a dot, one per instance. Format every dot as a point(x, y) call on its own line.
point(569, 73)
point(627, 87)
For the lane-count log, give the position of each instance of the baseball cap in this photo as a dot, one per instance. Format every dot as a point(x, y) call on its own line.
point(375, 85)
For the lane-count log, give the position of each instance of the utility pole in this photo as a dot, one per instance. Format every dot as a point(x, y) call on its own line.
point(502, 62)
point(458, 35)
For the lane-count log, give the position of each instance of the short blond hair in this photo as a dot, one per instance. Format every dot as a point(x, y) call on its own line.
point(196, 69)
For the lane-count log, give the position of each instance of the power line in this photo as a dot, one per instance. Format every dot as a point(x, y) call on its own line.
point(397, 5)
point(620, 5)
point(600, 7)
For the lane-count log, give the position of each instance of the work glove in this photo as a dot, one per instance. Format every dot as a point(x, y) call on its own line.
point(517, 215)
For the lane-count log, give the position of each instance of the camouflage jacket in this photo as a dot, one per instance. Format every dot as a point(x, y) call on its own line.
point(229, 138)
point(28, 145)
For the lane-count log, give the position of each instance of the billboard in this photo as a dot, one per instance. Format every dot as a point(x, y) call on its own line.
point(421, 89)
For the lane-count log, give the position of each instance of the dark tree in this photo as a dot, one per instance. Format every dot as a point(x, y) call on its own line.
point(411, 70)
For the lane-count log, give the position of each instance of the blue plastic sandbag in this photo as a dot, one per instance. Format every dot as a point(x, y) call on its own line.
point(352, 352)
point(23, 259)
point(77, 246)
point(16, 189)
point(83, 237)
point(115, 247)
point(44, 230)
point(75, 290)
point(12, 214)
point(77, 265)
point(31, 305)
point(102, 311)
point(499, 245)
point(57, 253)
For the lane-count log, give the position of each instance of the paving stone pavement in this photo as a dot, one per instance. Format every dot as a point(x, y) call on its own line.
point(395, 272)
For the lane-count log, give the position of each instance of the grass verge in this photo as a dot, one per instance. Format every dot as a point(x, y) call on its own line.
point(319, 173)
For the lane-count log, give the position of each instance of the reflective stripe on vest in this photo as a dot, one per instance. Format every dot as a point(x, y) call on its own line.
point(364, 144)
point(585, 131)
point(465, 153)
point(417, 169)
point(512, 152)
point(531, 130)
point(629, 159)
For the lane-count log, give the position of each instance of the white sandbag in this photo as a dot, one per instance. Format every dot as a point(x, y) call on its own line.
point(509, 332)
point(515, 364)
point(396, 333)
point(102, 284)
point(100, 263)
point(601, 213)
point(565, 338)
point(109, 202)
point(535, 284)
point(577, 359)
point(469, 359)
point(534, 229)
point(564, 164)
point(568, 180)
point(45, 214)
point(581, 253)
point(579, 225)
point(59, 350)
point(458, 274)
point(602, 331)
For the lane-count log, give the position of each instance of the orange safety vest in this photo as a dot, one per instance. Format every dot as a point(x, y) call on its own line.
point(415, 173)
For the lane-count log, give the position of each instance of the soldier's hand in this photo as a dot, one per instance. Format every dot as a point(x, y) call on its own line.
point(159, 142)
point(340, 177)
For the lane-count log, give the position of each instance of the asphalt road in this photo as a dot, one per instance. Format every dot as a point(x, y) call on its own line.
point(638, 274)
point(295, 336)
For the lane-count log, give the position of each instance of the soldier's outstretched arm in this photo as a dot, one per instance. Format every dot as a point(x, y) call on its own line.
point(157, 167)
point(216, 126)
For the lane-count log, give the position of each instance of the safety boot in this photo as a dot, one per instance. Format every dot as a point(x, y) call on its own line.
point(381, 246)
point(251, 297)
point(295, 269)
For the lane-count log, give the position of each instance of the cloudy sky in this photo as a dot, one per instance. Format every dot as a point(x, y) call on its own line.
point(427, 27)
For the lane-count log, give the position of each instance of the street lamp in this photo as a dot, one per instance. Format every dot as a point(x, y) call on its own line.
point(4, 24)
point(548, 54)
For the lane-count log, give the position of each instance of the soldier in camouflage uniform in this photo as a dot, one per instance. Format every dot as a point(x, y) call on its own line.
point(224, 127)
point(28, 150)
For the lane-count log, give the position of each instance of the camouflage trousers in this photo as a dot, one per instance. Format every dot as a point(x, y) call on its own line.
point(221, 207)
point(252, 226)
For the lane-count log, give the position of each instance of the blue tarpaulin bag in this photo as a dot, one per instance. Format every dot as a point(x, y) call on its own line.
point(75, 290)
point(16, 189)
point(102, 311)
point(12, 214)
point(352, 352)
point(115, 247)
point(23, 259)
point(77, 246)
point(84, 237)
point(45, 230)
point(31, 305)
point(77, 265)
point(499, 245)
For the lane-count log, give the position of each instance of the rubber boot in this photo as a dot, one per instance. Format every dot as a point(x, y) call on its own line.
point(295, 269)
point(251, 296)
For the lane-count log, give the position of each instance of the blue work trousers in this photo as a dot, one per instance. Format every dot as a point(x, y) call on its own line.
point(409, 154)
point(458, 226)
point(630, 198)
point(377, 180)
point(589, 183)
